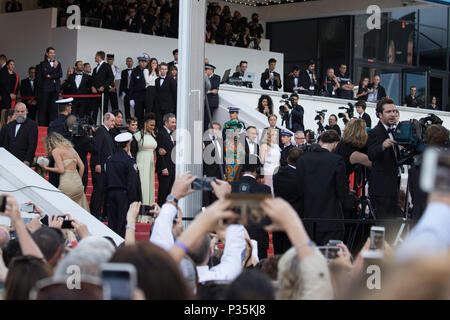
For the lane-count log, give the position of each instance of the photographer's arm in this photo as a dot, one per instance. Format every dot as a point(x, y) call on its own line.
point(130, 234)
point(162, 234)
point(27, 244)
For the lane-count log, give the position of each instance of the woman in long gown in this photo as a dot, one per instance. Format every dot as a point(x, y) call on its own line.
point(270, 157)
point(66, 162)
point(145, 159)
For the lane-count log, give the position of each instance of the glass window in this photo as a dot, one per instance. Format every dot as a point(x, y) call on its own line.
point(433, 47)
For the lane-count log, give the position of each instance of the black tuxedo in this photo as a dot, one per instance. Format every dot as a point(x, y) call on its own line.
point(285, 185)
point(103, 77)
point(306, 82)
point(105, 148)
point(289, 84)
point(165, 162)
point(266, 85)
point(367, 119)
point(256, 232)
point(295, 122)
point(123, 87)
point(166, 98)
point(213, 167)
point(49, 86)
point(247, 148)
point(26, 90)
point(322, 186)
point(383, 180)
point(80, 106)
point(23, 145)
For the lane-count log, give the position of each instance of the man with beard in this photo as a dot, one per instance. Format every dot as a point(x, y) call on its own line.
point(21, 136)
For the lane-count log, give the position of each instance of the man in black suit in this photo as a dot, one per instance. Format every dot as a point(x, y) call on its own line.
point(295, 119)
point(166, 91)
point(137, 88)
point(285, 186)
point(271, 80)
point(102, 80)
point(285, 146)
point(50, 73)
point(308, 80)
point(28, 89)
point(125, 85)
point(133, 22)
point(248, 184)
point(175, 60)
point(251, 142)
point(212, 95)
point(79, 83)
point(240, 74)
point(361, 108)
point(212, 159)
point(322, 186)
point(21, 137)
point(165, 164)
point(105, 148)
point(382, 151)
point(292, 83)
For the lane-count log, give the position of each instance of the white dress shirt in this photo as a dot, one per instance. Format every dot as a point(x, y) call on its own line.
point(17, 129)
point(230, 265)
point(78, 79)
point(161, 80)
point(162, 235)
point(251, 146)
point(150, 78)
point(217, 146)
point(431, 235)
point(99, 65)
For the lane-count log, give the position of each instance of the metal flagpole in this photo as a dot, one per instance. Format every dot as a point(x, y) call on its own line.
point(190, 104)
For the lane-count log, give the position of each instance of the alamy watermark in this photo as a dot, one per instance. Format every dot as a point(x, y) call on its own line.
point(374, 280)
point(74, 277)
point(374, 20)
point(74, 21)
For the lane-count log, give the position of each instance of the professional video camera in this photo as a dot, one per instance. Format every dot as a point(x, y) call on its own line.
point(350, 111)
point(319, 116)
point(82, 127)
point(287, 101)
point(411, 136)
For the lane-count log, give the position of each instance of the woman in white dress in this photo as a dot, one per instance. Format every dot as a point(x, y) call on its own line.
point(270, 156)
point(150, 75)
point(145, 159)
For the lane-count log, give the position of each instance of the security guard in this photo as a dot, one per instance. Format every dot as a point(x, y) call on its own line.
point(122, 183)
point(285, 147)
point(137, 88)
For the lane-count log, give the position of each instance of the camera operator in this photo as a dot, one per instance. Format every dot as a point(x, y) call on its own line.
point(332, 124)
point(59, 125)
point(436, 136)
point(83, 143)
point(321, 175)
point(293, 114)
point(382, 151)
point(331, 84)
point(346, 116)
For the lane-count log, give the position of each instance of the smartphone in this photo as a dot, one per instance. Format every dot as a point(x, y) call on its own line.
point(2, 203)
point(334, 242)
point(145, 210)
point(67, 224)
point(330, 252)
point(119, 281)
point(203, 184)
point(26, 207)
point(435, 172)
point(377, 236)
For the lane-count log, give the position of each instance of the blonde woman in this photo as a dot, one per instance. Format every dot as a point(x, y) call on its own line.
point(270, 156)
point(66, 162)
point(353, 145)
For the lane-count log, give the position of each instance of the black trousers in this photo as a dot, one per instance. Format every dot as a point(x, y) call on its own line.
point(81, 107)
point(48, 110)
point(111, 96)
point(206, 119)
point(99, 194)
point(150, 99)
point(117, 204)
point(139, 110)
point(387, 208)
point(96, 106)
point(164, 188)
point(126, 106)
point(32, 111)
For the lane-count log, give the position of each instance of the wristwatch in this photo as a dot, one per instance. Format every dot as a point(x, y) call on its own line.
point(171, 198)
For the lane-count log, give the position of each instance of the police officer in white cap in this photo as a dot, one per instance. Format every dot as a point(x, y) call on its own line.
point(122, 183)
point(59, 125)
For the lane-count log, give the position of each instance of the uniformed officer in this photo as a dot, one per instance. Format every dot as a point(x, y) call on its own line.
point(137, 88)
point(122, 183)
point(286, 145)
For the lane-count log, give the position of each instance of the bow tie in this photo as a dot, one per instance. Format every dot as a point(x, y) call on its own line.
point(163, 78)
point(391, 130)
point(213, 138)
point(78, 74)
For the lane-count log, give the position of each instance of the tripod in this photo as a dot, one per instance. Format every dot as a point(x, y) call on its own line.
point(364, 202)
